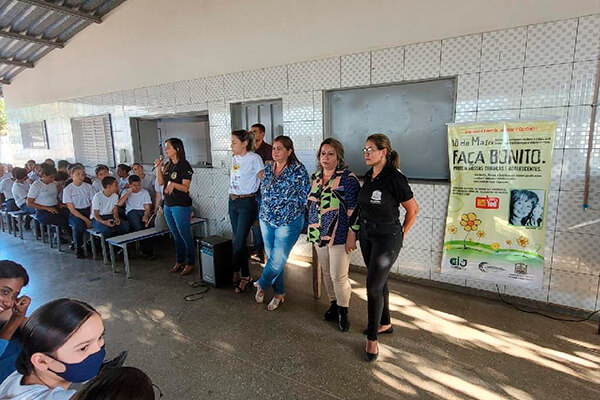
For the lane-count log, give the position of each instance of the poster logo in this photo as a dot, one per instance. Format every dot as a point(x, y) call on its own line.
point(489, 203)
point(458, 262)
point(520, 268)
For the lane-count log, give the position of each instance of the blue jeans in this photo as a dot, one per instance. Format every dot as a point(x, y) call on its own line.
point(178, 220)
point(110, 231)
point(12, 206)
point(278, 244)
point(134, 218)
point(242, 214)
point(79, 227)
point(47, 218)
point(259, 245)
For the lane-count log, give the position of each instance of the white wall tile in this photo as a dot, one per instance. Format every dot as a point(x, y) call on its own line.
point(233, 86)
point(419, 236)
point(578, 127)
point(465, 116)
point(413, 262)
point(300, 76)
point(497, 115)
point(500, 90)
point(326, 73)
point(276, 80)
point(440, 201)
point(571, 215)
point(387, 65)
point(466, 92)
point(483, 285)
point(214, 88)
point(461, 55)
point(254, 83)
point(557, 162)
point(356, 69)
point(547, 86)
point(573, 169)
point(438, 233)
point(423, 194)
point(552, 112)
point(576, 252)
point(503, 49)
point(551, 43)
point(573, 289)
point(588, 38)
point(582, 84)
point(182, 92)
point(298, 106)
point(422, 60)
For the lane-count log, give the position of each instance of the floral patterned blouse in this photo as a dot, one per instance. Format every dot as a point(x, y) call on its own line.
point(330, 206)
point(284, 196)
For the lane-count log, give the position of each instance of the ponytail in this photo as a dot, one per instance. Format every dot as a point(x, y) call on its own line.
point(383, 142)
point(394, 158)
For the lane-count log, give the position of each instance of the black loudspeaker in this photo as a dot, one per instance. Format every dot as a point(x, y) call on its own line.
point(216, 260)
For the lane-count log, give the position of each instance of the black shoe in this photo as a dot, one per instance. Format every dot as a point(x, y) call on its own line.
point(332, 313)
point(371, 356)
point(343, 323)
point(388, 331)
point(79, 253)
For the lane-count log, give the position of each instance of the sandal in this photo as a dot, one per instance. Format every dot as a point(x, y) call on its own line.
point(274, 303)
point(260, 294)
point(241, 289)
point(176, 268)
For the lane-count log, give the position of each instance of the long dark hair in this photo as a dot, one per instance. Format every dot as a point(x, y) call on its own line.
point(124, 383)
point(383, 142)
point(288, 144)
point(245, 136)
point(10, 269)
point(49, 327)
point(178, 146)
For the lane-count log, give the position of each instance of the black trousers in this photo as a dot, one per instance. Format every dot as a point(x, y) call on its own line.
point(380, 245)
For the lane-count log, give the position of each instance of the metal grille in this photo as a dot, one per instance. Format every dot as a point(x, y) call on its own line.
point(92, 140)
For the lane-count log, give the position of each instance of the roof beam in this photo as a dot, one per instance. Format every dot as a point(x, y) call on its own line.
point(63, 9)
point(16, 63)
point(28, 38)
point(4, 82)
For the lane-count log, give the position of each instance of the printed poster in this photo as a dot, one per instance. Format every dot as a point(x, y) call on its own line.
point(499, 182)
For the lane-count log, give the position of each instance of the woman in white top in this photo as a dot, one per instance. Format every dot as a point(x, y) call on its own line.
point(43, 196)
point(62, 343)
point(244, 181)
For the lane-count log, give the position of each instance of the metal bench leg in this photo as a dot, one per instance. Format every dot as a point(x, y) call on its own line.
point(21, 226)
point(14, 225)
point(126, 261)
point(112, 258)
point(35, 230)
point(104, 255)
point(85, 252)
point(57, 228)
point(93, 244)
point(49, 232)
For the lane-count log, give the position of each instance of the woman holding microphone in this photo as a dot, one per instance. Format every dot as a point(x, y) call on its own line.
point(381, 234)
point(175, 178)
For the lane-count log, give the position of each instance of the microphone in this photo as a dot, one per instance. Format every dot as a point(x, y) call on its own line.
point(160, 158)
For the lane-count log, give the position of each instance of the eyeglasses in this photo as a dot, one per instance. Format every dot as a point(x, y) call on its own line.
point(369, 150)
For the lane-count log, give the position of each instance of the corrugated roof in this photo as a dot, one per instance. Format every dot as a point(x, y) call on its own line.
point(30, 29)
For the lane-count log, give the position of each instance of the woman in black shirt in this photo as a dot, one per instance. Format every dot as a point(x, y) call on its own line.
point(380, 232)
point(175, 177)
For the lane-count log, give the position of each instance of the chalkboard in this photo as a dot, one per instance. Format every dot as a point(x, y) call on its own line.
point(413, 115)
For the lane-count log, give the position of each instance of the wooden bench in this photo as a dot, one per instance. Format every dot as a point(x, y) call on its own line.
point(123, 240)
point(95, 234)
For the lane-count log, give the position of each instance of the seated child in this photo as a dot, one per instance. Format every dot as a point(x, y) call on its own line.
point(20, 188)
point(138, 205)
point(60, 179)
point(123, 171)
point(105, 211)
point(101, 172)
point(78, 198)
point(6, 195)
point(43, 196)
point(34, 174)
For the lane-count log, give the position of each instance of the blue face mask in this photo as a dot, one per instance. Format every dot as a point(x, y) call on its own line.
point(85, 370)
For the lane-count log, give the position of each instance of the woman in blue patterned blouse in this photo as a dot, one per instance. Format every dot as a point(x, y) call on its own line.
point(331, 201)
point(284, 190)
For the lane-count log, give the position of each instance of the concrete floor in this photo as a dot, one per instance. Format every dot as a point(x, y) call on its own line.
point(225, 346)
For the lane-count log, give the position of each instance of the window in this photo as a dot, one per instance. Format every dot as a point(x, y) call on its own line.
point(34, 135)
point(92, 139)
point(413, 115)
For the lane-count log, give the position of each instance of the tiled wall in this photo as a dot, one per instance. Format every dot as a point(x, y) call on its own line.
point(537, 70)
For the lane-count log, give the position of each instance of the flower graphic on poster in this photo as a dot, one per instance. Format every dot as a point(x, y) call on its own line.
point(452, 229)
point(509, 243)
point(523, 242)
point(480, 234)
point(470, 223)
point(495, 246)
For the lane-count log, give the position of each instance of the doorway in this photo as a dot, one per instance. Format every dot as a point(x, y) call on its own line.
point(266, 112)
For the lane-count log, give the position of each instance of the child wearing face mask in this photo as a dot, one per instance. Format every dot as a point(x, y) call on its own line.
point(13, 308)
point(62, 343)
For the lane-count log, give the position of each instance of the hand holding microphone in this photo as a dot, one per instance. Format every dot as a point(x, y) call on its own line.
point(158, 162)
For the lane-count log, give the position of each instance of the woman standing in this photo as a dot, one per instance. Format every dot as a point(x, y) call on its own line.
point(381, 234)
point(244, 181)
point(175, 177)
point(284, 189)
point(331, 201)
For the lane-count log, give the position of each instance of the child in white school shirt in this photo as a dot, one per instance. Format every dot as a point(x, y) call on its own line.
point(138, 205)
point(105, 210)
point(78, 197)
